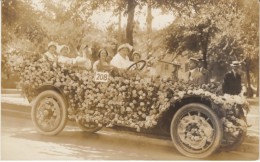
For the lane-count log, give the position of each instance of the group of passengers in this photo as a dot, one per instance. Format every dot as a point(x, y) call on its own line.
point(119, 61)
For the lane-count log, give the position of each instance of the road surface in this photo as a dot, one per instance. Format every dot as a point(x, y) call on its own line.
point(20, 141)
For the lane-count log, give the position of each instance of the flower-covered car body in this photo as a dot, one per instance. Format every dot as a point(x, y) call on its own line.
point(198, 120)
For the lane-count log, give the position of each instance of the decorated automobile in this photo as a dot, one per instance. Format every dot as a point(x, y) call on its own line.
point(196, 119)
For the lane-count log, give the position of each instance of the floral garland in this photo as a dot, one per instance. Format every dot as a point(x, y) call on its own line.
point(129, 101)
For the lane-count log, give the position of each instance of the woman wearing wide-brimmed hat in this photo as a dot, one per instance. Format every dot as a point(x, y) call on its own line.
point(121, 59)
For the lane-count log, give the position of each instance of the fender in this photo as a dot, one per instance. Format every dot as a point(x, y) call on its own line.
point(175, 105)
point(54, 88)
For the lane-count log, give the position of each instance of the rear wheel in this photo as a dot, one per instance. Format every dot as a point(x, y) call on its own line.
point(196, 130)
point(49, 113)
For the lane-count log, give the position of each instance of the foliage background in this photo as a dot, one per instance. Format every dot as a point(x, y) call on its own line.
point(217, 30)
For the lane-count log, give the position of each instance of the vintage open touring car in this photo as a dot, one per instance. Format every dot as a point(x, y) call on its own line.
point(197, 119)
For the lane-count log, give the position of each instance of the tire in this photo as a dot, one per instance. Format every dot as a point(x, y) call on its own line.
point(49, 113)
point(196, 130)
point(87, 128)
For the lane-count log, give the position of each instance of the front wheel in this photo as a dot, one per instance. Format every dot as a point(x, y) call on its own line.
point(196, 130)
point(49, 113)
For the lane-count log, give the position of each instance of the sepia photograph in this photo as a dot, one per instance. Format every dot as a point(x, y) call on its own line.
point(130, 80)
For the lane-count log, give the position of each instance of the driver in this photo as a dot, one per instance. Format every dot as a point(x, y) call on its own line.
point(121, 59)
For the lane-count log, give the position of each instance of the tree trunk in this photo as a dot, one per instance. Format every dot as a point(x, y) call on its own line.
point(119, 26)
point(249, 88)
point(149, 18)
point(204, 38)
point(205, 51)
point(130, 21)
point(257, 91)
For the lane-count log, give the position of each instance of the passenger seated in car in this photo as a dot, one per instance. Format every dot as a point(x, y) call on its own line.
point(83, 60)
point(51, 54)
point(102, 64)
point(64, 55)
point(136, 56)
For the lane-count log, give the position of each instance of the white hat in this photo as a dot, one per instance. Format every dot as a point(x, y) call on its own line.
point(175, 63)
point(136, 53)
point(126, 45)
point(52, 44)
point(194, 59)
point(235, 63)
point(63, 46)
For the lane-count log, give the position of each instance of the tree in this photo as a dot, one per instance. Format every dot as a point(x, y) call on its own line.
point(18, 24)
point(219, 31)
point(249, 40)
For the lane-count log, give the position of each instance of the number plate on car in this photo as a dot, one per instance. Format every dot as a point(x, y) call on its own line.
point(101, 76)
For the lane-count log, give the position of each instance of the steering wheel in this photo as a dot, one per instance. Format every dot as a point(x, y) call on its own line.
point(139, 65)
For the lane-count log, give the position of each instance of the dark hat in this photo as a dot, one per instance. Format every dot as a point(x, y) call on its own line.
point(102, 49)
point(201, 59)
